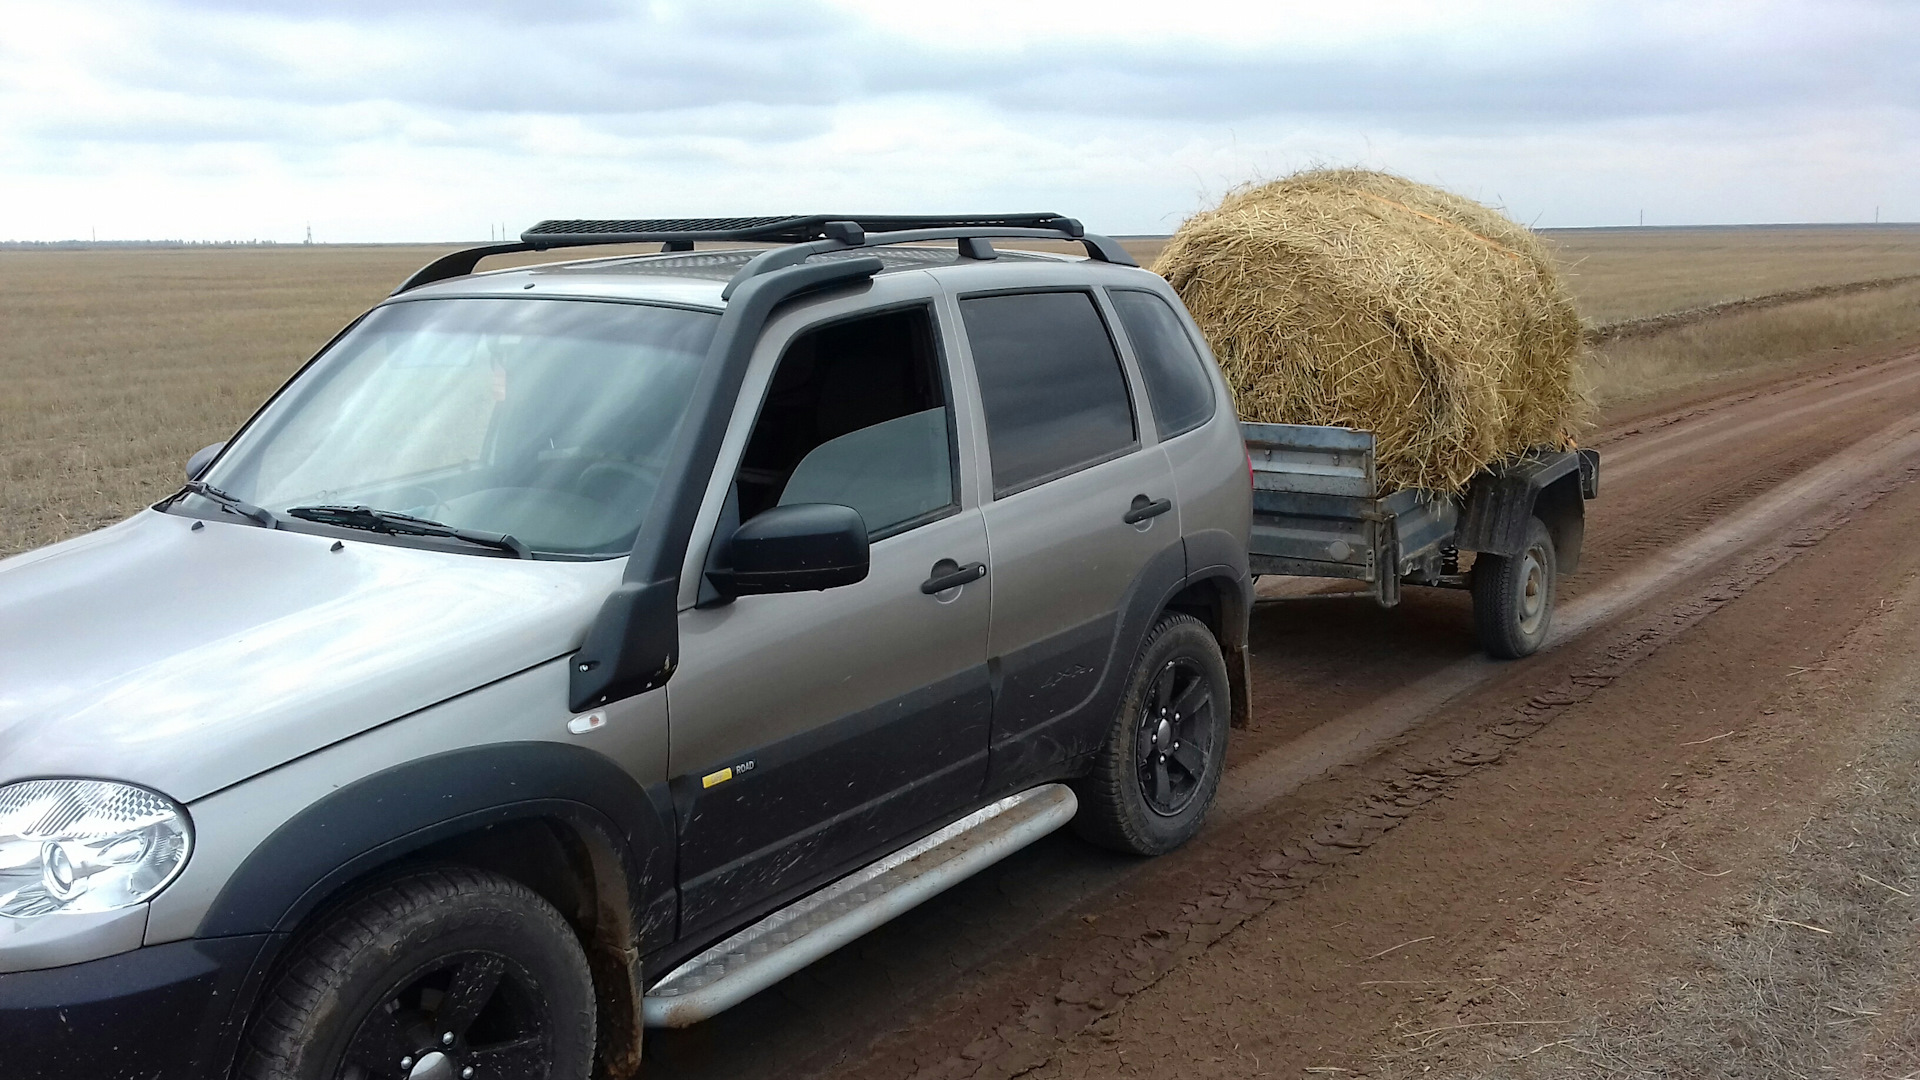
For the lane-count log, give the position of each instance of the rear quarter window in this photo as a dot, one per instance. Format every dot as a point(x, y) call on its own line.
point(1176, 376)
point(1055, 397)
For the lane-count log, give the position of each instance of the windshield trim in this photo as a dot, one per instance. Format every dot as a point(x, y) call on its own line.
point(172, 503)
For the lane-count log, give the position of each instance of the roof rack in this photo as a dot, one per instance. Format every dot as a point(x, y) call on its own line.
point(809, 236)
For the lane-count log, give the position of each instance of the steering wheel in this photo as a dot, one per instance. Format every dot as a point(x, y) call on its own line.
point(418, 500)
point(593, 481)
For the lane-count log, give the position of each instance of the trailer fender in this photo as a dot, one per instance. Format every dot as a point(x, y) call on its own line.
point(1550, 486)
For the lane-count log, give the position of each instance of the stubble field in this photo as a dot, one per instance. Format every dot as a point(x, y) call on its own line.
point(1681, 841)
point(115, 364)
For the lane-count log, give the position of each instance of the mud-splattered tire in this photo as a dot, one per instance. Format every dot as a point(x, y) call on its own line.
point(1513, 596)
point(1159, 768)
point(431, 974)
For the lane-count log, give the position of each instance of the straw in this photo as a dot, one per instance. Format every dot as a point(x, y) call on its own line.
point(1364, 300)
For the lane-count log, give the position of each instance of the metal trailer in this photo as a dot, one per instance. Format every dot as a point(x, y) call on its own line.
point(1319, 511)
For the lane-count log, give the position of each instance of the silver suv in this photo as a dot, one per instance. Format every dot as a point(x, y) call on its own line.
point(583, 647)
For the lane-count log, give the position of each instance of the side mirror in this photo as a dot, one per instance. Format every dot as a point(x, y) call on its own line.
point(202, 458)
point(799, 548)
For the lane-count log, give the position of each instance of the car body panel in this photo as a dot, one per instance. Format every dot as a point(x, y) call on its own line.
point(233, 824)
point(187, 656)
point(859, 713)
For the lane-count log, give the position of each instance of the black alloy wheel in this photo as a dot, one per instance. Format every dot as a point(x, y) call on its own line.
point(468, 1016)
point(1172, 750)
point(1157, 769)
point(444, 974)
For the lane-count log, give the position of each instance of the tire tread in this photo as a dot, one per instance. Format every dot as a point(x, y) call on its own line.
point(1104, 817)
point(322, 958)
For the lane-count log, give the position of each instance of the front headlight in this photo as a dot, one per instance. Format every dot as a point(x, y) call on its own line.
point(86, 845)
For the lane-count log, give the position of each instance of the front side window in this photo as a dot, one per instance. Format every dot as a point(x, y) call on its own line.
point(548, 420)
point(1055, 397)
point(1176, 377)
point(857, 414)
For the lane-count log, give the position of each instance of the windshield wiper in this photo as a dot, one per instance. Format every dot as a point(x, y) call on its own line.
point(259, 515)
point(398, 524)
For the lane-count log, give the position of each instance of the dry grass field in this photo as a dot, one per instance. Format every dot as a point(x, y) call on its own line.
point(1632, 273)
point(117, 364)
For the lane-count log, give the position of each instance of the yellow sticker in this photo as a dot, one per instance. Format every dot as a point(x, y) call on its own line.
point(713, 778)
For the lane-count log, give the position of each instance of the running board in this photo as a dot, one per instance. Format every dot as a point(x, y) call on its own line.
point(816, 924)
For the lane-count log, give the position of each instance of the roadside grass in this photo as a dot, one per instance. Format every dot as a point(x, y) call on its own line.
point(116, 364)
point(1747, 341)
point(1808, 973)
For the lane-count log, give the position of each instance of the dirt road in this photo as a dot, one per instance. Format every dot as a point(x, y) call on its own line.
point(1406, 822)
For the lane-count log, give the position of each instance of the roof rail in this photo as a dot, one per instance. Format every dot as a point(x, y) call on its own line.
point(811, 235)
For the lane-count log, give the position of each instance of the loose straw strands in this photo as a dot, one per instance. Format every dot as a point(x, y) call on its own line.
point(1364, 300)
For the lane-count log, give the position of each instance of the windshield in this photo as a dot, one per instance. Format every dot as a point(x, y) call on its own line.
point(547, 420)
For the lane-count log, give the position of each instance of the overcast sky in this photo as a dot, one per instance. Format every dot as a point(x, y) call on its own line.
point(386, 120)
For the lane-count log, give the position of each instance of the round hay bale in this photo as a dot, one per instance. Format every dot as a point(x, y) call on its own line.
point(1361, 299)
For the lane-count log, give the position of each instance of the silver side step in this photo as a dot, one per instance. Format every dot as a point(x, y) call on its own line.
point(815, 925)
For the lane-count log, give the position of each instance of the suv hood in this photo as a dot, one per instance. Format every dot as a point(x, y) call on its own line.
point(187, 660)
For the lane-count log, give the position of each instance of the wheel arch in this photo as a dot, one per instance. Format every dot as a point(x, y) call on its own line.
point(563, 821)
point(1218, 590)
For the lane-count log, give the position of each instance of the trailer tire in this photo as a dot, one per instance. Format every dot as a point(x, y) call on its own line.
point(1513, 596)
point(1159, 767)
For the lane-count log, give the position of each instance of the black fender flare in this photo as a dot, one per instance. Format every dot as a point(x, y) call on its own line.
point(1210, 557)
point(383, 817)
point(1218, 555)
point(1218, 558)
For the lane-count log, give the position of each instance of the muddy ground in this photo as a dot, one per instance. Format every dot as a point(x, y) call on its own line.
point(1683, 841)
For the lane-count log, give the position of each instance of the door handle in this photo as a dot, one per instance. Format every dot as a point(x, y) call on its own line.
point(948, 574)
point(1144, 508)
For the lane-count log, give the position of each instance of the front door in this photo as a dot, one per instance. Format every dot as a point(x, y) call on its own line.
point(812, 731)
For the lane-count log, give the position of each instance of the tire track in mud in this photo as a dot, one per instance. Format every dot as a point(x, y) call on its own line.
point(1274, 773)
point(1156, 935)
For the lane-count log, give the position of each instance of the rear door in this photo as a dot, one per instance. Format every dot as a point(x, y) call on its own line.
point(1080, 521)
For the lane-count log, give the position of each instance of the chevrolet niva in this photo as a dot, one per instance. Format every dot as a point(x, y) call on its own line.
point(582, 647)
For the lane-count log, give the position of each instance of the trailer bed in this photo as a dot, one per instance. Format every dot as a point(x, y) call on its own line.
point(1319, 510)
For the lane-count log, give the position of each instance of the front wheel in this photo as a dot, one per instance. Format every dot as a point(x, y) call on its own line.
point(1513, 596)
point(443, 975)
point(1160, 765)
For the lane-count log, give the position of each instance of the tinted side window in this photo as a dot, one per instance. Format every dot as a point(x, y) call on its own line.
point(1176, 377)
point(1050, 381)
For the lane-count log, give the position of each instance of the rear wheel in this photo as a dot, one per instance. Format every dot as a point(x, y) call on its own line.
point(1513, 596)
point(443, 975)
point(1160, 766)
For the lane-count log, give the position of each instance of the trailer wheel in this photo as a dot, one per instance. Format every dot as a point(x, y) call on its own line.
point(1513, 596)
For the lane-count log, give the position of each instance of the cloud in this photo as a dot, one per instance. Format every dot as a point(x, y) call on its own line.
point(603, 58)
point(1141, 110)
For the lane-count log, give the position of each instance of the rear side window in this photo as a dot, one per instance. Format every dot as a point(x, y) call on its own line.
point(1176, 377)
point(1050, 381)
